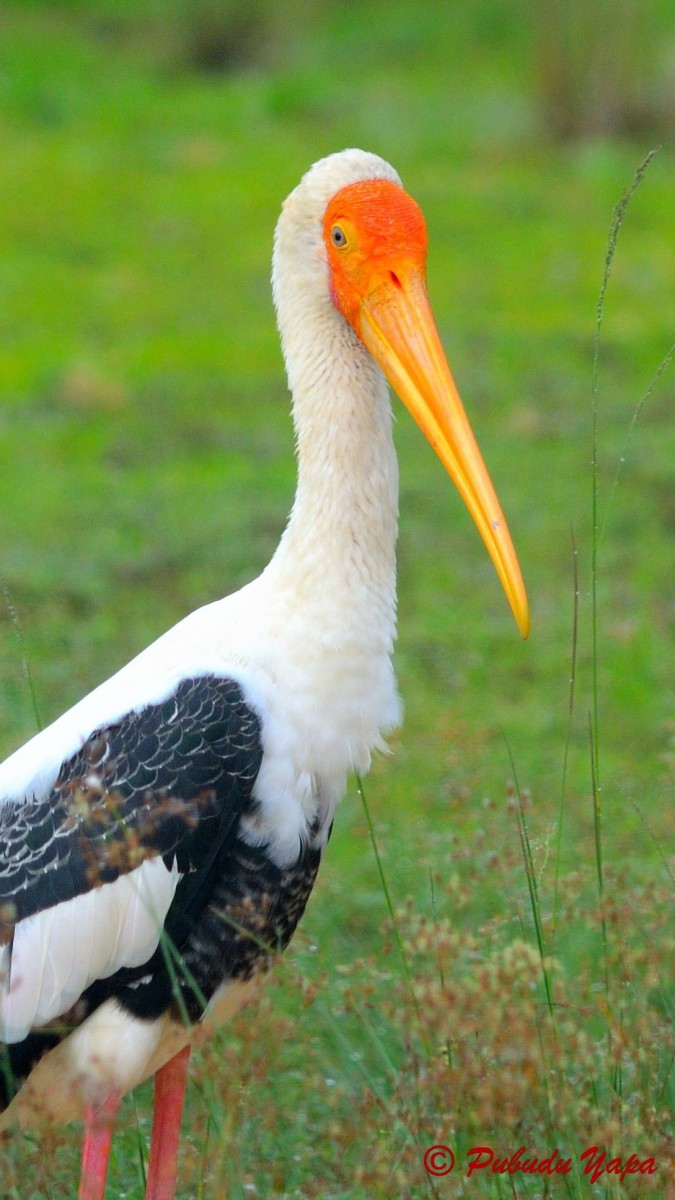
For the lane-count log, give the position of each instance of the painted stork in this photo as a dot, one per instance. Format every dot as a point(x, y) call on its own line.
point(159, 841)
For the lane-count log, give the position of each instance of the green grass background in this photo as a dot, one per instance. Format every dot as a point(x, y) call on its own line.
point(146, 461)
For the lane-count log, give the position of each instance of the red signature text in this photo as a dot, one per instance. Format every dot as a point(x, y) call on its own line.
point(481, 1157)
point(440, 1160)
point(598, 1165)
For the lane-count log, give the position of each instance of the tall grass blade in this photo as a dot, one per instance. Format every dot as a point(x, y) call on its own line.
point(387, 895)
point(434, 910)
point(568, 736)
point(201, 1183)
point(644, 822)
point(140, 1145)
point(597, 833)
point(618, 215)
point(25, 663)
point(531, 878)
point(536, 914)
point(660, 370)
point(392, 915)
point(175, 964)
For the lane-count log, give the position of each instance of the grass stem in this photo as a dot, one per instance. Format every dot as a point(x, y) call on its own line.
point(387, 895)
point(568, 737)
point(25, 662)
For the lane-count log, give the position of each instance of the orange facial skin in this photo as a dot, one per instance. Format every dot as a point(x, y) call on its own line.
point(385, 232)
point(376, 242)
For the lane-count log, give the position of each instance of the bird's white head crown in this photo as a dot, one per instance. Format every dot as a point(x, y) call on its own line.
point(298, 239)
point(336, 171)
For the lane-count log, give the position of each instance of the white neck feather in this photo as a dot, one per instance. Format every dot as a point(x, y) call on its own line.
point(342, 530)
point(341, 538)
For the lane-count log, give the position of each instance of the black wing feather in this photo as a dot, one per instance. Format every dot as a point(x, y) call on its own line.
point(169, 780)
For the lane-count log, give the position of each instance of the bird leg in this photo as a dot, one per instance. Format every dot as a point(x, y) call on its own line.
point(98, 1130)
point(170, 1081)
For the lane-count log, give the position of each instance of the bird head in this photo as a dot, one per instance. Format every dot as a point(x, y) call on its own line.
point(376, 244)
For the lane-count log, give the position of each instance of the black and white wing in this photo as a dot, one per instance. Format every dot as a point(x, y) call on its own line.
point(88, 875)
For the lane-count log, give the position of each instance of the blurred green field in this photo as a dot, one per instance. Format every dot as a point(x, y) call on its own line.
point(146, 460)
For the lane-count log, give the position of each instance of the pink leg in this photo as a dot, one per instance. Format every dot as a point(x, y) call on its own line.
point(98, 1131)
point(170, 1083)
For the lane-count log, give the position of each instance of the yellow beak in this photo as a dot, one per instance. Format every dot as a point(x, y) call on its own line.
point(397, 325)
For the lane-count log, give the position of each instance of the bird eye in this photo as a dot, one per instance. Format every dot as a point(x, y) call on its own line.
point(338, 237)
